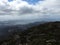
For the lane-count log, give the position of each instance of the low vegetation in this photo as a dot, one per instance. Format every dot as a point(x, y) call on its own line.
point(43, 34)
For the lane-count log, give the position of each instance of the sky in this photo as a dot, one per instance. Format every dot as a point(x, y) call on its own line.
point(10, 0)
point(28, 11)
point(29, 1)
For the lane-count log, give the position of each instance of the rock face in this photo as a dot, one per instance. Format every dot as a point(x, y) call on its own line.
point(43, 34)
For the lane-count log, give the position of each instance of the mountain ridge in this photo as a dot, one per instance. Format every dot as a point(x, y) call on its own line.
point(43, 34)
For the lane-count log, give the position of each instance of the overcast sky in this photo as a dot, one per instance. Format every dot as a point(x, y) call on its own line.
point(27, 11)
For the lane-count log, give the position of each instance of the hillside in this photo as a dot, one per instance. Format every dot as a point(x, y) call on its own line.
point(43, 34)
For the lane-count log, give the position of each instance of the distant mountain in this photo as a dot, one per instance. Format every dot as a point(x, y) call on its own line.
point(42, 34)
point(6, 29)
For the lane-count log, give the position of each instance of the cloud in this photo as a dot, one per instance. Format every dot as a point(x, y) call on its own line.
point(22, 10)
